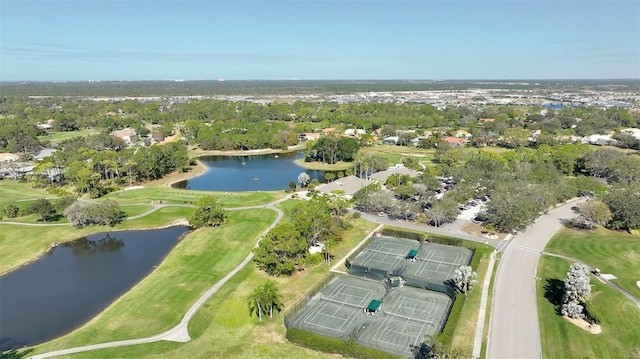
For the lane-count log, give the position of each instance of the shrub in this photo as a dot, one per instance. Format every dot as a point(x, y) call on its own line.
point(12, 211)
point(64, 202)
point(57, 191)
point(347, 348)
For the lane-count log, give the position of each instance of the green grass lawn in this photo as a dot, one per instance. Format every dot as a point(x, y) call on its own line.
point(464, 334)
point(618, 318)
point(395, 154)
point(160, 300)
point(612, 252)
point(286, 207)
point(57, 137)
point(340, 166)
point(131, 210)
point(182, 196)
point(19, 193)
point(223, 328)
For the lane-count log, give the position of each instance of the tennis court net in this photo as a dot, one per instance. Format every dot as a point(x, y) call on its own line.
point(322, 298)
point(427, 322)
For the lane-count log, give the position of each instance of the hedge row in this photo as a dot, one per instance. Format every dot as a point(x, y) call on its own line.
point(419, 236)
point(399, 233)
point(347, 348)
point(452, 322)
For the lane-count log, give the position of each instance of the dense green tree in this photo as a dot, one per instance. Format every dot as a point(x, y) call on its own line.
point(281, 251)
point(43, 208)
point(624, 202)
point(208, 213)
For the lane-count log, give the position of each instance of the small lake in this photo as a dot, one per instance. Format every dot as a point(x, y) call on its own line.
point(249, 173)
point(75, 281)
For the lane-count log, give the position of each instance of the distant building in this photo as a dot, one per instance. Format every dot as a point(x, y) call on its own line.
point(462, 134)
point(125, 134)
point(6, 157)
point(349, 185)
point(454, 141)
point(383, 175)
point(47, 152)
point(635, 132)
point(308, 136)
point(391, 139)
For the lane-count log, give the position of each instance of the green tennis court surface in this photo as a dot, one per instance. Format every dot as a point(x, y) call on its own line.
point(418, 264)
point(402, 318)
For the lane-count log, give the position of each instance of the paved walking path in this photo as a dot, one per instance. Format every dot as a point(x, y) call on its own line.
point(514, 330)
point(630, 296)
point(178, 333)
point(482, 313)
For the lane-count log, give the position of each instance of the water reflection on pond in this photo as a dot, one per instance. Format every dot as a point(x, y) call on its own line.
point(249, 173)
point(75, 281)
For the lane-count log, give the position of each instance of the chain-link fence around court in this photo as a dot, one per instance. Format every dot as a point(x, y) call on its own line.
point(405, 316)
point(420, 264)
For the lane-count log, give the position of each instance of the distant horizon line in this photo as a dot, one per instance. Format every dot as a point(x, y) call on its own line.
point(330, 80)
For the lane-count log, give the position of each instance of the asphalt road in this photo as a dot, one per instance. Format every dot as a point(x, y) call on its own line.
point(514, 331)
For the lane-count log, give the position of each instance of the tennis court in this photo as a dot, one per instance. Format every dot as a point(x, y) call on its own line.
point(438, 262)
point(337, 310)
point(383, 256)
point(408, 314)
point(417, 263)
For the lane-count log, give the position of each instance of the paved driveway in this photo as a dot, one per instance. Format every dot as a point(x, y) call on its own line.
point(514, 332)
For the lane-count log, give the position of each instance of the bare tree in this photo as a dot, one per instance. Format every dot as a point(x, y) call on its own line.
point(464, 278)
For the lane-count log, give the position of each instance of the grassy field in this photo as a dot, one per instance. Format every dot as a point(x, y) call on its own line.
point(57, 137)
point(465, 331)
point(182, 196)
point(394, 154)
point(611, 252)
point(487, 318)
point(223, 328)
point(339, 166)
point(19, 193)
point(618, 318)
point(160, 300)
point(22, 244)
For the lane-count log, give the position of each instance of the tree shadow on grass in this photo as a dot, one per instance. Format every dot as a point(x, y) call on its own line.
point(553, 291)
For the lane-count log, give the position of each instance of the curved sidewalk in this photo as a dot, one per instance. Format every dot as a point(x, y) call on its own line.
point(514, 330)
point(178, 333)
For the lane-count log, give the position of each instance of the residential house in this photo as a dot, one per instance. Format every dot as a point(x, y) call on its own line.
point(391, 140)
point(383, 175)
point(635, 132)
point(349, 185)
point(462, 134)
point(44, 153)
point(354, 132)
point(308, 136)
point(6, 157)
point(125, 134)
point(454, 141)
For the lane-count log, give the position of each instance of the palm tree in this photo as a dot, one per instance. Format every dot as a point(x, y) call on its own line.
point(272, 298)
point(254, 303)
point(265, 298)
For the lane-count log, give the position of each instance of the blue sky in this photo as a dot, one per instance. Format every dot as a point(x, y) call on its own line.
point(53, 40)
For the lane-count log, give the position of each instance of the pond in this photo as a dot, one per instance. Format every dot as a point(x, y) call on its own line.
point(75, 281)
point(249, 173)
